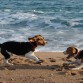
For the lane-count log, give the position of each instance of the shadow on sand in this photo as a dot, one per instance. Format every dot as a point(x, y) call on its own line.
point(26, 66)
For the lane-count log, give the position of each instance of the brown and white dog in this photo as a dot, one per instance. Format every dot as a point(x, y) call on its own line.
point(78, 55)
point(22, 48)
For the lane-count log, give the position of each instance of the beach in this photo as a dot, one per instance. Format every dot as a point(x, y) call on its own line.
point(51, 70)
point(60, 22)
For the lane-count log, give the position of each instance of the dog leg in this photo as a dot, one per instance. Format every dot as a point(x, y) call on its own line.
point(77, 61)
point(32, 56)
point(68, 63)
point(78, 67)
point(6, 55)
point(6, 62)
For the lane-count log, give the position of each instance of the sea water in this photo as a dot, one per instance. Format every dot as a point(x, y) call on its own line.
point(60, 22)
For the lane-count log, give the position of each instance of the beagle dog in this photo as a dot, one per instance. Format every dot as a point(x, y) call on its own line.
point(22, 48)
point(78, 55)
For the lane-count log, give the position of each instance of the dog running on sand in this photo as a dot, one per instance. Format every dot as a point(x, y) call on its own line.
point(22, 48)
point(77, 54)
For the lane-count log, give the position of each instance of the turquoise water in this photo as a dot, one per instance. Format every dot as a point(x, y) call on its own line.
point(59, 21)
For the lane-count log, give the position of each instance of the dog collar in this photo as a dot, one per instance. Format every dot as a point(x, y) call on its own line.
point(33, 45)
point(78, 53)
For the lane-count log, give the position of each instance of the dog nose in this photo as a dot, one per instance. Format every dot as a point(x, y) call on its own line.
point(65, 52)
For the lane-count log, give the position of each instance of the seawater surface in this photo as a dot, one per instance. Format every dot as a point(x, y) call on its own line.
point(59, 21)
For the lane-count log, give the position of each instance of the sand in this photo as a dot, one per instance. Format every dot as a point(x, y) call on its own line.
point(51, 70)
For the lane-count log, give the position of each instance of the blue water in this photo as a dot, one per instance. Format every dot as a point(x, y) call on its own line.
point(59, 21)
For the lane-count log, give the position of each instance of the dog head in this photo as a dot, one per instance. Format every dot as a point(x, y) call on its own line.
point(38, 39)
point(71, 51)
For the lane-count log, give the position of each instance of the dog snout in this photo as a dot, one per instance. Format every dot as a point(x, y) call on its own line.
point(43, 43)
point(65, 52)
point(46, 42)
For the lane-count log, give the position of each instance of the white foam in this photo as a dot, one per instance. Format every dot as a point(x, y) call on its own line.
point(81, 11)
point(7, 10)
point(23, 16)
point(8, 18)
point(61, 32)
point(58, 36)
point(38, 11)
point(74, 22)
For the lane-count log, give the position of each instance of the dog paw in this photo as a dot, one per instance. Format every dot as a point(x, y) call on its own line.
point(75, 68)
point(38, 62)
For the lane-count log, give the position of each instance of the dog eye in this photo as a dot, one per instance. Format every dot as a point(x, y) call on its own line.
point(38, 39)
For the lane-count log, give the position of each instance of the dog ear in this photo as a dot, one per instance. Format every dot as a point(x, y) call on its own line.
point(38, 36)
point(73, 50)
point(69, 50)
point(31, 39)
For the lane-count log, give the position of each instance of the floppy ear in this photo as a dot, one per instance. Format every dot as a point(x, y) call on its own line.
point(31, 39)
point(74, 50)
point(69, 50)
point(37, 35)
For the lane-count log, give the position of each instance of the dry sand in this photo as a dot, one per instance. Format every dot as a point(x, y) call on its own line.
point(51, 70)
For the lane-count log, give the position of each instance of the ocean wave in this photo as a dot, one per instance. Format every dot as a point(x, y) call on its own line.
point(9, 18)
point(60, 22)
